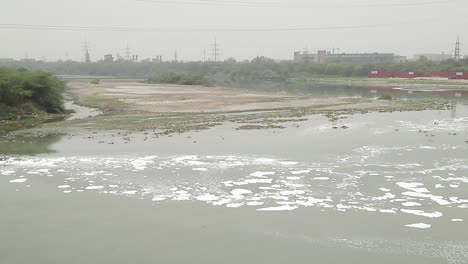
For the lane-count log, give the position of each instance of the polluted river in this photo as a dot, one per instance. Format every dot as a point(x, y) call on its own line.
point(355, 187)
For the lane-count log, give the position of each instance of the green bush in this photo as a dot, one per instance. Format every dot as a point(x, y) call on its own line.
point(31, 90)
point(385, 97)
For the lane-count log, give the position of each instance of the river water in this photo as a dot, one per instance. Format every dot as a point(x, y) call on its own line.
point(372, 188)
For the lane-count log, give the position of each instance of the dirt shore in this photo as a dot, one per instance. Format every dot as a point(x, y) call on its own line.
point(168, 109)
point(179, 99)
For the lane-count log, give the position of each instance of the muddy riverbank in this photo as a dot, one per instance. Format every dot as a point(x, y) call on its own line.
point(168, 109)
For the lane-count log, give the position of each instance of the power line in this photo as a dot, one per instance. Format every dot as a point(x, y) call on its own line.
point(289, 5)
point(125, 29)
point(174, 30)
point(227, 3)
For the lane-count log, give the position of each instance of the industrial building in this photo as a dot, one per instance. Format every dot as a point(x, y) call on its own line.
point(433, 57)
point(323, 56)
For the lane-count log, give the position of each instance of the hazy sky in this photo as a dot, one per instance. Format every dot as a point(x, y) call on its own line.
point(243, 28)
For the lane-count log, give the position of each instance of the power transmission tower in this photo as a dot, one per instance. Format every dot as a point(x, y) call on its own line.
point(457, 55)
point(87, 56)
point(176, 56)
point(216, 50)
point(128, 53)
point(306, 50)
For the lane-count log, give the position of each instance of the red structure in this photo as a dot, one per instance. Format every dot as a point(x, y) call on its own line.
point(381, 74)
point(447, 75)
point(460, 76)
point(389, 74)
point(412, 75)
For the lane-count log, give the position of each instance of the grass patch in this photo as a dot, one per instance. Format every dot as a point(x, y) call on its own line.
point(179, 78)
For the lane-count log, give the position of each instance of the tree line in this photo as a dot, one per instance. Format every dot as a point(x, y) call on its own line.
point(228, 71)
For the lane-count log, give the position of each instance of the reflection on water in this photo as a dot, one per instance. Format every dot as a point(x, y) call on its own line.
point(363, 91)
point(40, 143)
point(20, 145)
point(80, 112)
point(411, 92)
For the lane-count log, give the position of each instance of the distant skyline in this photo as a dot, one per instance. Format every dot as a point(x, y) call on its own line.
point(57, 29)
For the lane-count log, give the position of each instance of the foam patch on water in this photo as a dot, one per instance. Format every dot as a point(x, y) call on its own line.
point(343, 183)
point(23, 180)
point(300, 172)
point(261, 174)
point(411, 204)
point(94, 188)
point(255, 203)
point(413, 186)
point(278, 208)
point(419, 225)
point(289, 163)
point(388, 211)
point(200, 169)
point(422, 213)
point(207, 198)
point(234, 205)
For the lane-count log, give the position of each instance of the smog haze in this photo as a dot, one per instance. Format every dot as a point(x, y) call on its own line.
point(54, 29)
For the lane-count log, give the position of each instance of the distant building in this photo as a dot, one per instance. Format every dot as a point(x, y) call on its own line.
point(158, 59)
point(108, 58)
point(323, 56)
point(433, 56)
